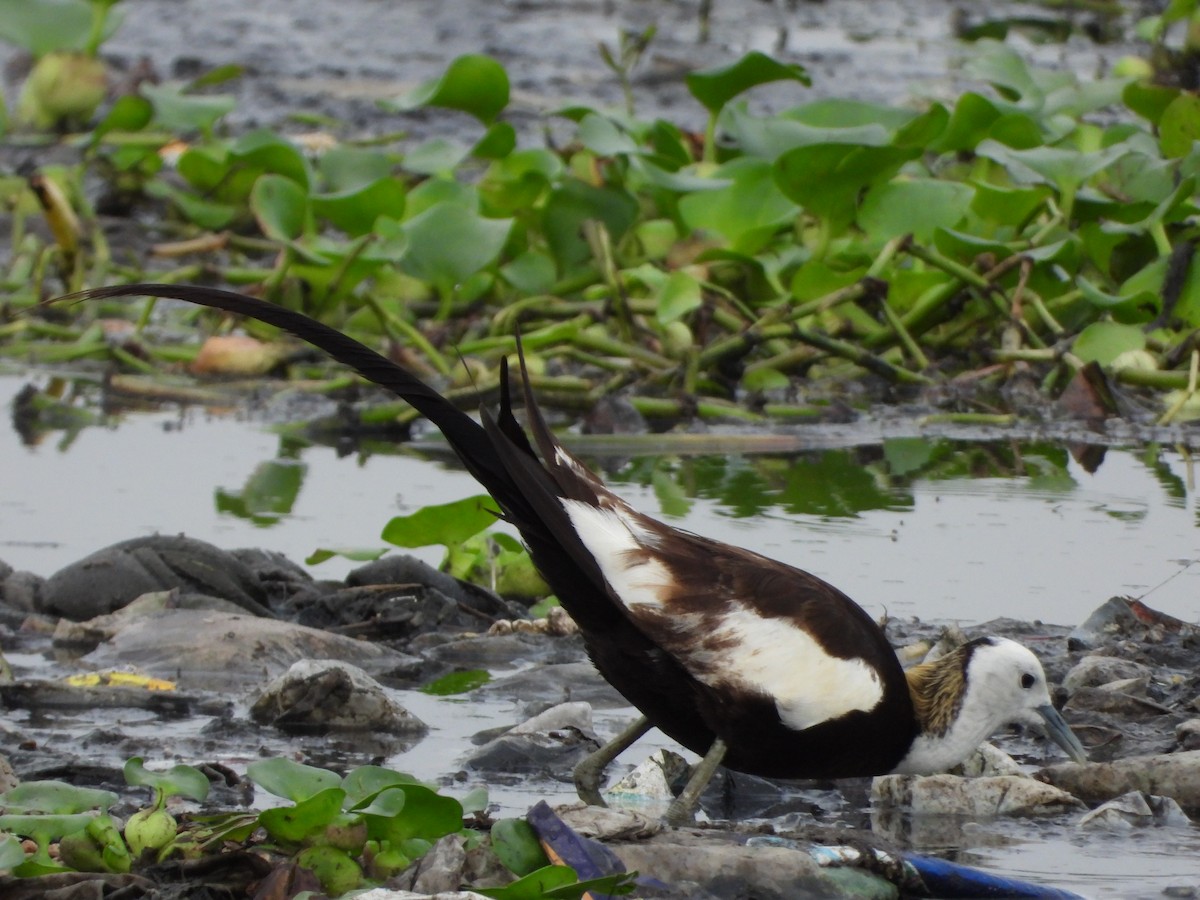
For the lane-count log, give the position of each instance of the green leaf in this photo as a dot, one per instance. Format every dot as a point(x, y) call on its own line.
point(498, 142)
point(970, 122)
point(42, 26)
point(1179, 126)
point(56, 797)
point(12, 854)
point(746, 212)
point(364, 782)
point(46, 827)
point(907, 455)
point(826, 179)
point(449, 243)
point(680, 294)
point(306, 817)
point(1145, 297)
point(918, 207)
point(457, 683)
point(344, 169)
point(1149, 100)
point(356, 209)
point(289, 779)
point(602, 136)
point(281, 208)
point(572, 204)
point(531, 273)
point(128, 113)
point(534, 886)
point(1064, 168)
point(356, 554)
point(447, 524)
point(1103, 342)
point(180, 780)
point(182, 113)
point(1007, 206)
point(427, 815)
point(516, 845)
point(474, 84)
point(716, 87)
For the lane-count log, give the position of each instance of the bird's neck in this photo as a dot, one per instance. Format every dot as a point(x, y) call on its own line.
point(946, 733)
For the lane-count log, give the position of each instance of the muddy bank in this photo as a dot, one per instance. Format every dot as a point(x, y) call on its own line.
point(223, 626)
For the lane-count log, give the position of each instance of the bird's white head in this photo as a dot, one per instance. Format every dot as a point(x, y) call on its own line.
point(962, 698)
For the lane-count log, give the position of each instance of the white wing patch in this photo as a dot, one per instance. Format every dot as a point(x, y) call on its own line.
point(610, 537)
point(746, 651)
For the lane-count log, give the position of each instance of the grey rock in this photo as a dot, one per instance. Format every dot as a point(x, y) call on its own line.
point(1093, 671)
point(322, 695)
point(952, 795)
point(221, 651)
point(21, 590)
point(1135, 810)
point(110, 578)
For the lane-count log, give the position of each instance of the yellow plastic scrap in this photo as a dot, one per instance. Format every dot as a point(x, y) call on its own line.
point(113, 678)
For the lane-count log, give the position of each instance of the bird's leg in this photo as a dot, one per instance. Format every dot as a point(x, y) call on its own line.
point(587, 773)
point(683, 808)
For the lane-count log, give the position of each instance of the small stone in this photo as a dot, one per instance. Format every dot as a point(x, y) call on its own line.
point(1093, 671)
point(328, 695)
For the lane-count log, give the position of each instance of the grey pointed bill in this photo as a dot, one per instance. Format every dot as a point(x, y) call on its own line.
point(1060, 732)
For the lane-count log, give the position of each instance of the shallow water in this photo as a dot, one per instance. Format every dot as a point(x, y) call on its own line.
point(942, 546)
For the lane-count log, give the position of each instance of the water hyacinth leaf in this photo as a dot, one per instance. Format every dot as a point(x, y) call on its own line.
point(839, 113)
point(904, 456)
point(355, 554)
point(449, 243)
point(268, 494)
point(1131, 299)
point(47, 827)
point(770, 137)
point(289, 779)
point(437, 156)
point(473, 83)
point(128, 113)
point(348, 168)
point(182, 113)
point(497, 142)
point(446, 524)
point(1103, 342)
point(356, 209)
point(516, 845)
point(41, 26)
point(1149, 100)
point(56, 797)
point(970, 122)
point(1179, 126)
point(475, 800)
point(531, 273)
point(265, 151)
point(747, 212)
point(280, 207)
point(537, 885)
point(12, 854)
point(917, 207)
point(573, 203)
point(680, 294)
point(427, 815)
point(1064, 168)
point(826, 179)
point(1007, 206)
point(208, 214)
point(180, 780)
point(716, 87)
point(307, 816)
point(364, 783)
point(457, 683)
point(1004, 69)
point(765, 378)
point(602, 136)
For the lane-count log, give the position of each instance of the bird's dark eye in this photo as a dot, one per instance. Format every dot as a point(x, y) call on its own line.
point(1027, 681)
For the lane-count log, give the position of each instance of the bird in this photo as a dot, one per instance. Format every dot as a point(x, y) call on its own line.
point(751, 663)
